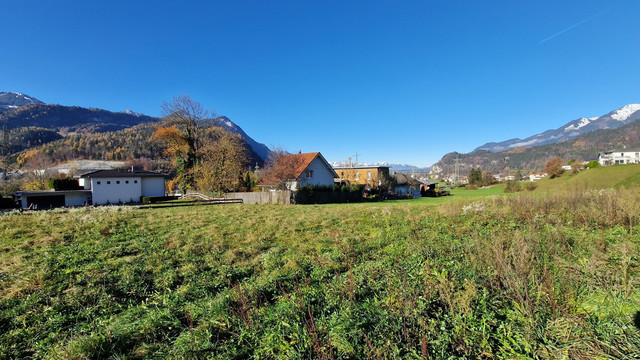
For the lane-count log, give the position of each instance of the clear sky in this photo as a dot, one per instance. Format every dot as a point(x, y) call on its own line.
point(401, 81)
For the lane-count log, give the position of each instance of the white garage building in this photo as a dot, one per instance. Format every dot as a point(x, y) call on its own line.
point(100, 187)
point(122, 186)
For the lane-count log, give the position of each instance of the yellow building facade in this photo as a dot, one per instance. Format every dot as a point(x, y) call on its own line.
point(373, 177)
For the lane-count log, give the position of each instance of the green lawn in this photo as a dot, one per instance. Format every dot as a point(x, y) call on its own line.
point(616, 176)
point(465, 276)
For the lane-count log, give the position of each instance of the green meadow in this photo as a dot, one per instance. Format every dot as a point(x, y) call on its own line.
point(536, 275)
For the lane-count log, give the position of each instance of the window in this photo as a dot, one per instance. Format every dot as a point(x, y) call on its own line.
point(98, 182)
point(126, 181)
point(118, 182)
point(309, 173)
point(135, 181)
point(108, 182)
point(368, 175)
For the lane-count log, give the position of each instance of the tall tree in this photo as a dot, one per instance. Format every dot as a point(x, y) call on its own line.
point(475, 177)
point(223, 156)
point(554, 167)
point(183, 125)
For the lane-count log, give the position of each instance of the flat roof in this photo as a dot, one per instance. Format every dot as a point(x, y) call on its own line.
point(359, 167)
point(121, 173)
point(50, 192)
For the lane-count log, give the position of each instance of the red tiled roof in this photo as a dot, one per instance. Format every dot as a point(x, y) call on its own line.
point(300, 161)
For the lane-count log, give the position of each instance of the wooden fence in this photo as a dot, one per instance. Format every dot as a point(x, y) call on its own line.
point(265, 197)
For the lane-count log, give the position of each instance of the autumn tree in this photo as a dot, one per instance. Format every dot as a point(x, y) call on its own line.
point(280, 169)
point(183, 125)
point(577, 166)
point(35, 168)
point(222, 159)
point(554, 167)
point(488, 178)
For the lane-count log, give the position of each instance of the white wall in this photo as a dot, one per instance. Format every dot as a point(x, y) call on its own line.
point(109, 191)
point(321, 174)
point(153, 186)
point(77, 199)
point(85, 183)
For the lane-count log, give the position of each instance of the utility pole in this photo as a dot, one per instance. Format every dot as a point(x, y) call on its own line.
point(356, 155)
point(457, 175)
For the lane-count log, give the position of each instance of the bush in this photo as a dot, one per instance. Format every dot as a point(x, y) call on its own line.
point(530, 186)
point(64, 184)
point(155, 199)
point(593, 164)
point(511, 186)
point(320, 194)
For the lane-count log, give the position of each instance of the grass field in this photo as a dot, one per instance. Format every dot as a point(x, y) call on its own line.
point(466, 276)
point(617, 176)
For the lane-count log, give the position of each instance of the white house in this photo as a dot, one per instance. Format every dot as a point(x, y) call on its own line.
point(619, 157)
point(100, 188)
point(122, 186)
point(536, 176)
point(301, 169)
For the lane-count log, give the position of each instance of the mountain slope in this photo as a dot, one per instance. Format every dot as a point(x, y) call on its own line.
point(65, 119)
point(260, 149)
point(33, 123)
point(570, 130)
point(13, 100)
point(585, 147)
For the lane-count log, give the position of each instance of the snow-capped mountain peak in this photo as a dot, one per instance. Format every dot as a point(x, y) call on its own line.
point(625, 112)
point(12, 100)
point(624, 115)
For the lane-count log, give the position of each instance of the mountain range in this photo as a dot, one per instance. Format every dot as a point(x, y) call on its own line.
point(32, 122)
point(570, 130)
point(581, 139)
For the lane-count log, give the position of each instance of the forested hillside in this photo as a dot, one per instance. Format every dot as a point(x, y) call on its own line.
point(585, 147)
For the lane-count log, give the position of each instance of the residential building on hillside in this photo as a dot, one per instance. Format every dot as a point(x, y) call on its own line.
point(536, 176)
point(373, 177)
point(292, 171)
point(98, 188)
point(624, 156)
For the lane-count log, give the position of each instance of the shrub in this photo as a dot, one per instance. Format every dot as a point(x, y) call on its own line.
point(64, 184)
point(155, 199)
point(511, 186)
point(593, 164)
point(530, 186)
point(320, 194)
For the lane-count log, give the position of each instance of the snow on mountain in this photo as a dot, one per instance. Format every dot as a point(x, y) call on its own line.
point(261, 149)
point(13, 100)
point(582, 123)
point(392, 166)
point(572, 129)
point(625, 112)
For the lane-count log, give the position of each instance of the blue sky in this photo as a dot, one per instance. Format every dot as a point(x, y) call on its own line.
point(404, 81)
